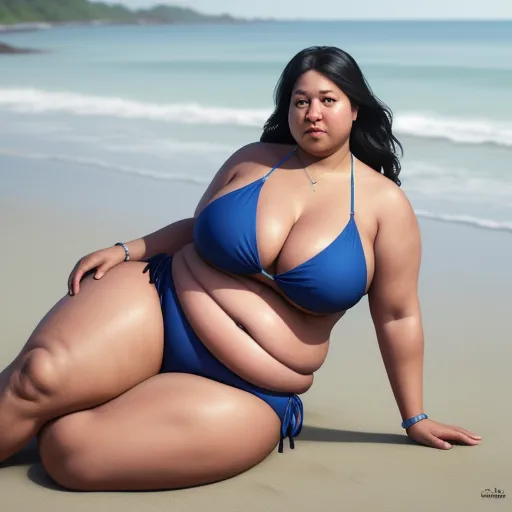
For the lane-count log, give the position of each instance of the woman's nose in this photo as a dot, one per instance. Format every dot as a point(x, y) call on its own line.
point(314, 113)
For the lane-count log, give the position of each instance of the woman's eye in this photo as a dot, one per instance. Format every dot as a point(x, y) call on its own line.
point(302, 103)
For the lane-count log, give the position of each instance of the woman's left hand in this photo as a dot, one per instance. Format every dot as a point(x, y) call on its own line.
point(436, 435)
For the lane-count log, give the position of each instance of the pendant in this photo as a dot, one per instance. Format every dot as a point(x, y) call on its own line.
point(313, 183)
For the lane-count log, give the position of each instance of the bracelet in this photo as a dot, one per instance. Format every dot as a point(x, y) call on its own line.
point(126, 252)
point(411, 421)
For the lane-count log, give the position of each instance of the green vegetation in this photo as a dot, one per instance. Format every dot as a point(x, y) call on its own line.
point(31, 11)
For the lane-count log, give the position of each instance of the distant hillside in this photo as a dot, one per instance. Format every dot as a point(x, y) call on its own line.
point(55, 11)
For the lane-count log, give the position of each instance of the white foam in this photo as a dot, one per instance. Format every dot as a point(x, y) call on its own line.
point(466, 131)
point(38, 101)
point(468, 220)
point(421, 125)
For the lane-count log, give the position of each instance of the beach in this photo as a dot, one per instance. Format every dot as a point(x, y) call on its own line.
point(352, 453)
point(85, 163)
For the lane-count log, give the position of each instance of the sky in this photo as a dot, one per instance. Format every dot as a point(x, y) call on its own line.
point(339, 9)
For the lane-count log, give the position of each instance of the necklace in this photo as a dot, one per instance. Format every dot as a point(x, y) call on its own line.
point(313, 182)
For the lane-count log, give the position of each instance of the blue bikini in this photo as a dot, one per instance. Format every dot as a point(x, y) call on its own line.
point(334, 280)
point(225, 235)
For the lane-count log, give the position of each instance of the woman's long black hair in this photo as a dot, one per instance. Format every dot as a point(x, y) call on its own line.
point(371, 138)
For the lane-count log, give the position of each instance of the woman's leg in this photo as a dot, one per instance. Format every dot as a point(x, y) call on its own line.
point(173, 430)
point(87, 350)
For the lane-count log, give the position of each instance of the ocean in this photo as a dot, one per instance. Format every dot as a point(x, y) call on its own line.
point(171, 103)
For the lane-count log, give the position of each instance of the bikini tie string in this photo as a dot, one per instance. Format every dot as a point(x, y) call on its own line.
point(292, 422)
point(156, 265)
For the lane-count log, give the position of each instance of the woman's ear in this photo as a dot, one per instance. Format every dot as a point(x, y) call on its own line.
point(355, 110)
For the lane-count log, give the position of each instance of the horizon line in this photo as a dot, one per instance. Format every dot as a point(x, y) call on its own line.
point(371, 19)
point(264, 18)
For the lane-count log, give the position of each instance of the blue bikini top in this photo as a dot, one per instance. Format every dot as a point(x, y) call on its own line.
point(332, 281)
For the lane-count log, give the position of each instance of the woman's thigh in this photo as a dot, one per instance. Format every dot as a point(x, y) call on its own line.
point(173, 430)
point(93, 346)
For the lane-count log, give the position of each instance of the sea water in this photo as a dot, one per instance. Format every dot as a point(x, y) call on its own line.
point(171, 103)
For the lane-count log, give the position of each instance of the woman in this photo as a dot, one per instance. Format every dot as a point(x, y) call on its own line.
point(187, 369)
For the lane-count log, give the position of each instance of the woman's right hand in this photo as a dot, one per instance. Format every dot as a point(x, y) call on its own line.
point(101, 261)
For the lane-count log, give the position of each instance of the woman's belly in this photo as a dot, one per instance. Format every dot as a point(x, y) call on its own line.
point(252, 330)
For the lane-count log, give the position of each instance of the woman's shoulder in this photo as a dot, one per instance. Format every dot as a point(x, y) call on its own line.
point(388, 198)
point(246, 159)
point(261, 153)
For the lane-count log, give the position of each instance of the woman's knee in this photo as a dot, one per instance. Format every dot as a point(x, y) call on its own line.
point(40, 373)
point(63, 450)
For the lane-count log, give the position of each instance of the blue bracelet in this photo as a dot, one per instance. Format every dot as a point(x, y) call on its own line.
point(413, 420)
point(126, 252)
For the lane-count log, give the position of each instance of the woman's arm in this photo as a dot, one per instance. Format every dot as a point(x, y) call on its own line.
point(394, 303)
point(395, 310)
point(168, 240)
point(173, 237)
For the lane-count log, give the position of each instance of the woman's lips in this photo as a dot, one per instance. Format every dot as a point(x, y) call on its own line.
point(315, 132)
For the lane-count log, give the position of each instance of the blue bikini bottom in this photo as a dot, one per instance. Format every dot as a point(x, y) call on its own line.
point(184, 352)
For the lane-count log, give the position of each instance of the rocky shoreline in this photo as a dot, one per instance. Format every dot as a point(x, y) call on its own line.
point(6, 49)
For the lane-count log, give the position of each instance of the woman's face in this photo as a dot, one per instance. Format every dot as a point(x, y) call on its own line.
point(320, 114)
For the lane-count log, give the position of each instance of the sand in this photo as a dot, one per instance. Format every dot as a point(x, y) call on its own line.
point(352, 454)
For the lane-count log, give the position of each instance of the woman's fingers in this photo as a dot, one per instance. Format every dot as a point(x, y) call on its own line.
point(461, 437)
point(102, 270)
point(70, 278)
point(467, 432)
point(438, 435)
point(440, 440)
point(85, 265)
point(97, 263)
point(436, 442)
